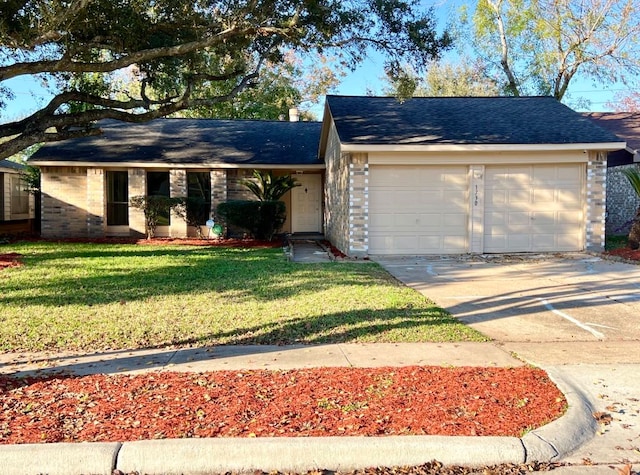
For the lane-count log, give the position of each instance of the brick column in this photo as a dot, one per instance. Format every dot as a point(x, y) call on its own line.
point(95, 202)
point(178, 187)
point(596, 199)
point(359, 205)
point(137, 187)
point(218, 190)
point(5, 211)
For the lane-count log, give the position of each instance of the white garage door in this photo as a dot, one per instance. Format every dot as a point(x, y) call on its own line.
point(534, 208)
point(418, 209)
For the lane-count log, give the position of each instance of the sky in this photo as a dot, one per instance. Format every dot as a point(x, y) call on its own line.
point(30, 96)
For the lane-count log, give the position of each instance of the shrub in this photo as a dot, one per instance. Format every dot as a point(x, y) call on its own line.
point(154, 208)
point(267, 187)
point(262, 219)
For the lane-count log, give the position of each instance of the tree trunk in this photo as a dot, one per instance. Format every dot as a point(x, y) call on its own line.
point(634, 234)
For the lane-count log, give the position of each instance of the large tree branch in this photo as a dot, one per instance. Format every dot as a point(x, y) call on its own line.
point(47, 126)
point(66, 64)
point(512, 83)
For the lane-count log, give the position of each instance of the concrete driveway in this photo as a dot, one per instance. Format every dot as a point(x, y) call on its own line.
point(541, 299)
point(576, 315)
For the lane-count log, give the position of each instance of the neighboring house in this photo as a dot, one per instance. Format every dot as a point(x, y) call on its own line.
point(17, 205)
point(426, 176)
point(622, 201)
point(457, 175)
point(87, 183)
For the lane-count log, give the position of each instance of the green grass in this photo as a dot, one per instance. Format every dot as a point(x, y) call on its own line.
point(107, 296)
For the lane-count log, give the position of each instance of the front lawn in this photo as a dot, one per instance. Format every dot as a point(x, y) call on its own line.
point(113, 296)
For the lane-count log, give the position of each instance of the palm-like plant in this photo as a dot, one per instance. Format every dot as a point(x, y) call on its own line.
point(633, 175)
point(267, 187)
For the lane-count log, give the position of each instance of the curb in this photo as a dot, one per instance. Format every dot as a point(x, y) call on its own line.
point(206, 456)
point(95, 458)
point(562, 436)
point(290, 454)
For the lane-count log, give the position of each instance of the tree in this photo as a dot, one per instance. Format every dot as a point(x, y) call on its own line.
point(633, 175)
point(178, 47)
point(446, 79)
point(626, 102)
point(540, 46)
point(279, 88)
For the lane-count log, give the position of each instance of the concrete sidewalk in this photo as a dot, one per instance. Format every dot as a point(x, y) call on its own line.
point(207, 456)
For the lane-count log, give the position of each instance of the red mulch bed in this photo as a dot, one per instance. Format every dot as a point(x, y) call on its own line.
point(626, 253)
point(261, 403)
point(11, 259)
point(230, 242)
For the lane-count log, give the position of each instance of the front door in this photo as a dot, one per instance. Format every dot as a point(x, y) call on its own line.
point(306, 204)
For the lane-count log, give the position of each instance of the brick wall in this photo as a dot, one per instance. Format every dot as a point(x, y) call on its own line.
point(336, 191)
point(235, 189)
point(5, 196)
point(96, 202)
point(622, 201)
point(596, 201)
point(64, 202)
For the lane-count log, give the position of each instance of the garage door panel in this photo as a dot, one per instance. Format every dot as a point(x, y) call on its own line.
point(457, 220)
point(496, 197)
point(496, 218)
point(418, 209)
point(568, 173)
point(570, 218)
point(549, 218)
point(518, 218)
point(545, 242)
point(567, 242)
point(458, 197)
point(543, 210)
point(567, 197)
point(544, 196)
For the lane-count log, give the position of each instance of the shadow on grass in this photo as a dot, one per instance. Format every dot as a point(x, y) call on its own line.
point(343, 327)
point(102, 276)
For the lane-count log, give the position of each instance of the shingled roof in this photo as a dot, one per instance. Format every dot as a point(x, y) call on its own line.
point(11, 165)
point(461, 121)
point(186, 142)
point(625, 125)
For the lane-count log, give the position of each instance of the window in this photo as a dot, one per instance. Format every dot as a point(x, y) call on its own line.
point(199, 194)
point(158, 185)
point(19, 196)
point(117, 199)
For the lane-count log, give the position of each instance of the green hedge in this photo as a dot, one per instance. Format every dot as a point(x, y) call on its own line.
point(261, 219)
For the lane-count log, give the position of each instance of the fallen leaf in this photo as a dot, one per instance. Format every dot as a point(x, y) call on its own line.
point(603, 417)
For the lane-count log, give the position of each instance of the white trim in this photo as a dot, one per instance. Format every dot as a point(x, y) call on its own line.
point(477, 158)
point(185, 166)
point(605, 146)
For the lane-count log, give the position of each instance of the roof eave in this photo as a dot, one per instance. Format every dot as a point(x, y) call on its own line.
point(600, 147)
point(60, 163)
